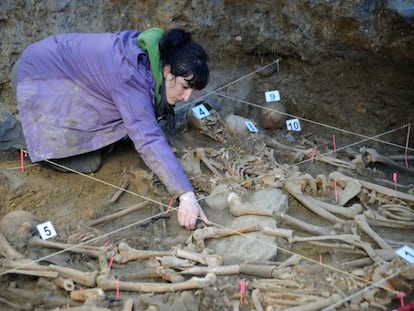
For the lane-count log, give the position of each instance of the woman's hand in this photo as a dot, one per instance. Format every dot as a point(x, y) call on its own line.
point(189, 210)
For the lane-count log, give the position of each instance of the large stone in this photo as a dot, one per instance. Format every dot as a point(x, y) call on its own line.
point(252, 246)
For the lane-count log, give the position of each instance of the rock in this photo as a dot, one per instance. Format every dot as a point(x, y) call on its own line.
point(252, 246)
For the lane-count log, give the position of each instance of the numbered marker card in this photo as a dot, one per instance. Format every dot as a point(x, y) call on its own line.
point(200, 111)
point(46, 230)
point(293, 125)
point(252, 128)
point(272, 96)
point(406, 253)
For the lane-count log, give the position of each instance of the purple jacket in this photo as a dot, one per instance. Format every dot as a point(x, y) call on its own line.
point(81, 92)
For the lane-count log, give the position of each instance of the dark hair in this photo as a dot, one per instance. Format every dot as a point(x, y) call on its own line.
point(186, 57)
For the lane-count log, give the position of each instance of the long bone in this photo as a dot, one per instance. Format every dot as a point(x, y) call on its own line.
point(408, 198)
point(120, 213)
point(295, 190)
point(376, 219)
point(220, 270)
point(373, 156)
point(200, 235)
point(194, 283)
point(92, 251)
point(127, 253)
point(153, 272)
point(200, 153)
point(362, 223)
point(309, 154)
point(83, 278)
point(317, 305)
point(292, 221)
point(348, 238)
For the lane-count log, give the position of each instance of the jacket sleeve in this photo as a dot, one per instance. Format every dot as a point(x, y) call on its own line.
point(134, 102)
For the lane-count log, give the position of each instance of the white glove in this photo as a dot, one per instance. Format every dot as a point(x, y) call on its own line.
point(189, 210)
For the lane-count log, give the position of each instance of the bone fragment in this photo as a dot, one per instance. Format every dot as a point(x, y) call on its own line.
point(26, 307)
point(278, 232)
point(194, 283)
point(119, 214)
point(66, 284)
point(175, 262)
point(295, 190)
point(291, 261)
point(362, 223)
point(128, 305)
point(220, 270)
point(124, 184)
point(211, 260)
point(317, 305)
point(6, 250)
point(87, 293)
point(263, 271)
point(257, 300)
point(200, 154)
point(127, 253)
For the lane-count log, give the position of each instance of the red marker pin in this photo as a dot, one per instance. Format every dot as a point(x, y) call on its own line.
point(334, 142)
point(394, 179)
point(22, 160)
point(118, 293)
point(242, 290)
point(401, 295)
point(111, 261)
point(336, 191)
point(315, 150)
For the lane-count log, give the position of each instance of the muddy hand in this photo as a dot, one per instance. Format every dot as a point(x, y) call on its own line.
point(189, 210)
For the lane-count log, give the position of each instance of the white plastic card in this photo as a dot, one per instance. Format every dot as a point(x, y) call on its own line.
point(46, 230)
point(272, 96)
point(406, 253)
point(200, 111)
point(293, 125)
point(251, 126)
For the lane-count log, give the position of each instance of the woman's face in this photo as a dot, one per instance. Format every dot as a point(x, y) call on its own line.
point(176, 87)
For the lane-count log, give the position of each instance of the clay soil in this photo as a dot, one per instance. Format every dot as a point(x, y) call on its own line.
point(351, 97)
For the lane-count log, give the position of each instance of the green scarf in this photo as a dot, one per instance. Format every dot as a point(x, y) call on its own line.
point(148, 40)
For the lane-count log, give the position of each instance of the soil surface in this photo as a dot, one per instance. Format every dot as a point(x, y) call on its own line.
point(322, 96)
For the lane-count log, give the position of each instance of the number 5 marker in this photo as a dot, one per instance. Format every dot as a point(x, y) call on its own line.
point(46, 230)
